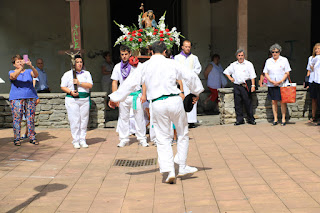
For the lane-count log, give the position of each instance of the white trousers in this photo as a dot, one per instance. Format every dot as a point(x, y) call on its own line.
point(164, 112)
point(124, 120)
point(192, 115)
point(78, 115)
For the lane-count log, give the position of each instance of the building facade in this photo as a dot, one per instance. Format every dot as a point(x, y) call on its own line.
point(41, 28)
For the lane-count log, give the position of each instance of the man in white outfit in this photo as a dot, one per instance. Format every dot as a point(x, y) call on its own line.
point(120, 74)
point(160, 74)
point(192, 63)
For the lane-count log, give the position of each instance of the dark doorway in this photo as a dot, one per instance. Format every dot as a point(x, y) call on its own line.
point(315, 17)
point(126, 12)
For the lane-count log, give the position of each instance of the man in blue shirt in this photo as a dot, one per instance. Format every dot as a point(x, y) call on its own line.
point(42, 83)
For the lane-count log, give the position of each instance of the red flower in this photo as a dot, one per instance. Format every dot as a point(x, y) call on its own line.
point(168, 34)
point(161, 31)
point(171, 39)
point(155, 30)
point(161, 35)
point(140, 30)
point(129, 33)
point(131, 39)
point(155, 33)
point(167, 30)
point(139, 34)
point(139, 39)
point(161, 39)
point(134, 35)
point(133, 32)
point(125, 38)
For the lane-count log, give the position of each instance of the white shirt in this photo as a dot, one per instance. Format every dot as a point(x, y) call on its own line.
point(277, 69)
point(214, 77)
point(83, 77)
point(311, 77)
point(241, 72)
point(116, 74)
point(191, 62)
point(160, 75)
point(315, 62)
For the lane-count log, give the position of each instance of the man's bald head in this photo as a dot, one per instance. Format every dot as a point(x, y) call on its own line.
point(39, 63)
point(186, 46)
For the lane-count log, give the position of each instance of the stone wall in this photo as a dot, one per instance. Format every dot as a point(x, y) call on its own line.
point(262, 109)
point(51, 111)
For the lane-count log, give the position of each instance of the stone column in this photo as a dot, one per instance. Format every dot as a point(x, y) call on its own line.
point(242, 28)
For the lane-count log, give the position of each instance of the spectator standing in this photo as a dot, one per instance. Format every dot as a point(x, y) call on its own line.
point(214, 76)
point(22, 95)
point(42, 83)
point(277, 70)
point(312, 84)
point(243, 78)
point(106, 70)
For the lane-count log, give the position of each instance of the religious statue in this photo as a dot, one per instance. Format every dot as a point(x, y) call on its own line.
point(148, 18)
point(72, 54)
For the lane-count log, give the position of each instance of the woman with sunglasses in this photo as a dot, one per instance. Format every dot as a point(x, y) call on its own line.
point(277, 70)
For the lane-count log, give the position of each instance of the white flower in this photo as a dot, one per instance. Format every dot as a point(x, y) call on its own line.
point(162, 26)
point(140, 22)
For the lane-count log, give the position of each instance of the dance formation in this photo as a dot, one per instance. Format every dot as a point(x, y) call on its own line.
point(159, 75)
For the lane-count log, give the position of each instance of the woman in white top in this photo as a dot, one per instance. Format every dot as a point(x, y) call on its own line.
point(277, 70)
point(214, 75)
point(312, 85)
point(77, 102)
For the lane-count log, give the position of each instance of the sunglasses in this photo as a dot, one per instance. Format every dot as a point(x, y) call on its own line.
point(275, 51)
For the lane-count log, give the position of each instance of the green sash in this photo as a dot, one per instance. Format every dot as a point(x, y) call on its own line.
point(135, 97)
point(82, 95)
point(164, 97)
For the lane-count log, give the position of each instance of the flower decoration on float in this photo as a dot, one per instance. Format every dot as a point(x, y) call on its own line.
point(138, 38)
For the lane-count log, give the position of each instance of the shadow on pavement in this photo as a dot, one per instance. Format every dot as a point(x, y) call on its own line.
point(41, 136)
point(43, 191)
point(91, 141)
point(155, 170)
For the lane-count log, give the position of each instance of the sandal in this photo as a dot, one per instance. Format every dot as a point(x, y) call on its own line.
point(35, 142)
point(311, 120)
point(17, 142)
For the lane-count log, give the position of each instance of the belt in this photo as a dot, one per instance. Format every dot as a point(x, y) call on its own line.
point(135, 97)
point(164, 97)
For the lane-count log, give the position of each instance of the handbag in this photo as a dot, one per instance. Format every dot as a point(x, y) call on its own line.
point(288, 93)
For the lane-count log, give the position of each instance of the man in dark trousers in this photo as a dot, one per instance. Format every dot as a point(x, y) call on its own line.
point(242, 74)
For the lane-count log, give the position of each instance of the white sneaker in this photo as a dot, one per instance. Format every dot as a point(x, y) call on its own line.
point(171, 179)
point(83, 144)
point(144, 143)
point(187, 170)
point(76, 145)
point(122, 144)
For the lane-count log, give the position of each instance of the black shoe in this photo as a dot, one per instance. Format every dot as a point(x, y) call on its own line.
point(283, 123)
point(192, 125)
point(238, 123)
point(252, 122)
point(275, 123)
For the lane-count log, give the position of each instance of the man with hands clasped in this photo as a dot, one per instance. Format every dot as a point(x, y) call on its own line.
point(242, 74)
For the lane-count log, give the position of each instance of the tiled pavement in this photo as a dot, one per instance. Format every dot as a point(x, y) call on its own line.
point(242, 169)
